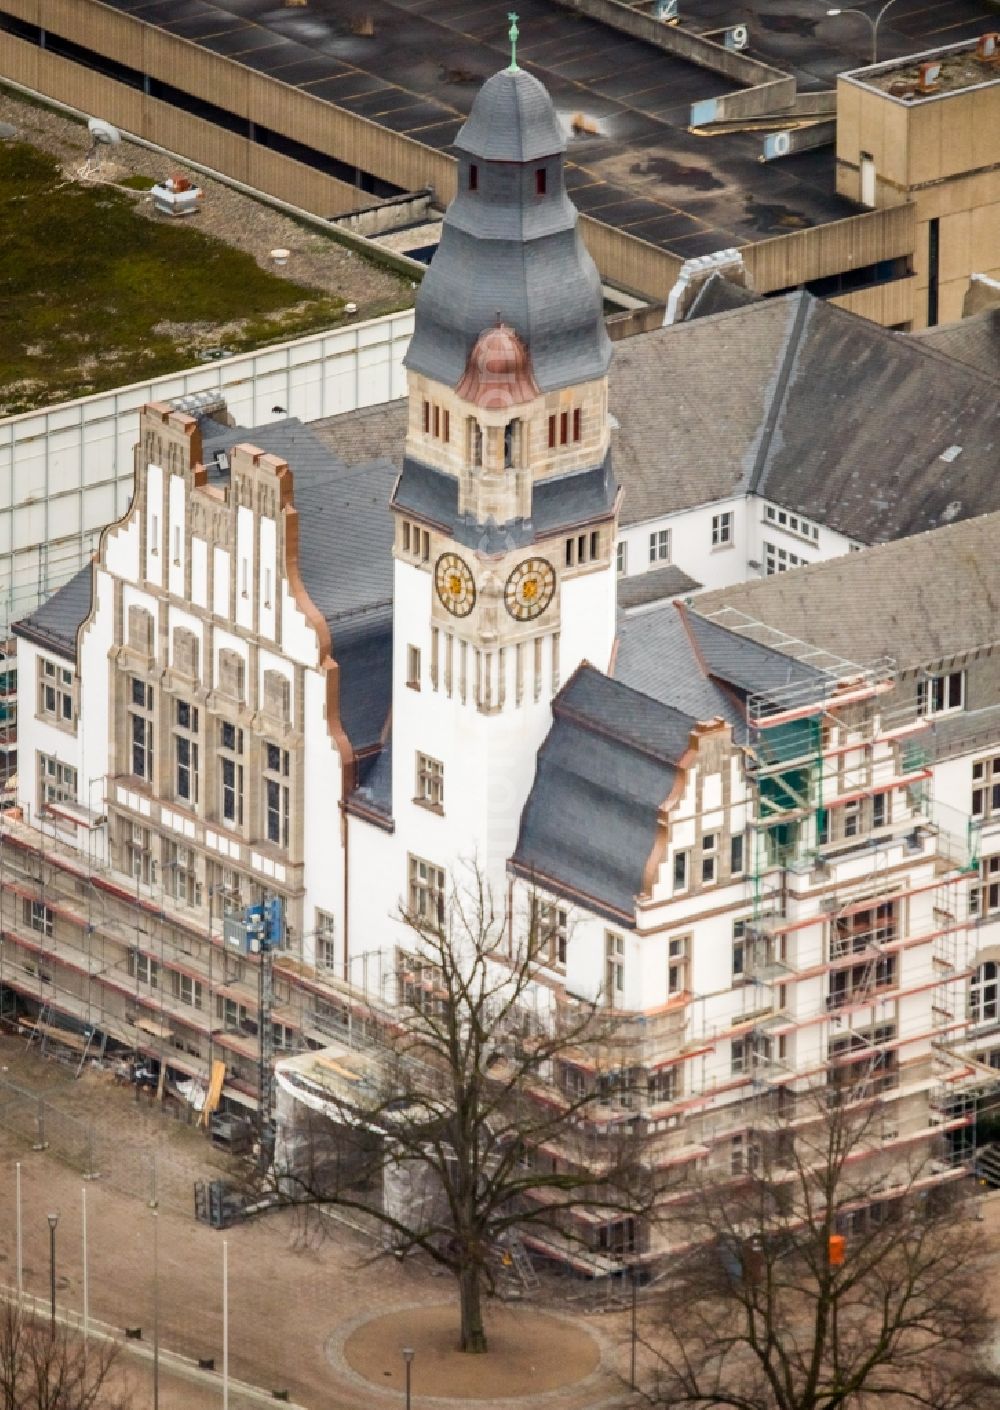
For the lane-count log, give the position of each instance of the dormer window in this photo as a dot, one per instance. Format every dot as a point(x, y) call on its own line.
point(540, 181)
point(473, 177)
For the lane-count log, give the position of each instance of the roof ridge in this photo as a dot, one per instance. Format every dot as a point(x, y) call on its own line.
point(805, 304)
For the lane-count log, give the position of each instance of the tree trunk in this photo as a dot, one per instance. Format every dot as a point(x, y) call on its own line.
point(470, 1298)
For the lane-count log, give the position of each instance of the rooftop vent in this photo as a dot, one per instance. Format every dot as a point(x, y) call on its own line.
point(930, 73)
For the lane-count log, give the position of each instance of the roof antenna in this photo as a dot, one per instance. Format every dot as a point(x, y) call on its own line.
point(512, 34)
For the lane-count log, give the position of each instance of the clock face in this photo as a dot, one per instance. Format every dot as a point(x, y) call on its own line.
point(529, 589)
point(455, 585)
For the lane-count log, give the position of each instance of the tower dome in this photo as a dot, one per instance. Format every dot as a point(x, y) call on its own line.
point(498, 373)
point(510, 243)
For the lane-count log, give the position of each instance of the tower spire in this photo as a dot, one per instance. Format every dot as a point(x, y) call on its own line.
point(512, 34)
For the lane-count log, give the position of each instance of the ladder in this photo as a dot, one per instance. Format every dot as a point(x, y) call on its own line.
point(516, 1264)
point(40, 1030)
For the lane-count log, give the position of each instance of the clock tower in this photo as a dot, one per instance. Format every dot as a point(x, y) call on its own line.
point(505, 510)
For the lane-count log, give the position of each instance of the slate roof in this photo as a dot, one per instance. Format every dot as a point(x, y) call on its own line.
point(718, 295)
point(918, 600)
point(642, 589)
point(656, 655)
point(345, 558)
point(508, 251)
point(611, 756)
point(512, 120)
point(54, 625)
point(974, 340)
point(558, 502)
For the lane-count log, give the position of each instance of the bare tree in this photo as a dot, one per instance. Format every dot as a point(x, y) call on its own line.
point(45, 1370)
point(841, 1271)
point(461, 1129)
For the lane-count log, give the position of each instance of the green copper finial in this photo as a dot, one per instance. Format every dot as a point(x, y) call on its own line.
point(512, 34)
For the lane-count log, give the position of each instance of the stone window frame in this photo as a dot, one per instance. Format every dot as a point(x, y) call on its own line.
point(429, 784)
point(56, 694)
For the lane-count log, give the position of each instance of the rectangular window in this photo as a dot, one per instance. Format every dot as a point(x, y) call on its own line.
point(141, 729)
point(722, 530)
point(186, 752)
point(231, 773)
point(680, 871)
point(38, 916)
point(750, 1052)
point(57, 782)
point(189, 991)
point(709, 857)
point(621, 557)
point(659, 546)
point(990, 890)
point(55, 692)
point(880, 809)
point(473, 177)
point(663, 1086)
point(326, 941)
point(426, 892)
point(430, 782)
point(739, 951)
point(736, 854)
point(937, 695)
point(552, 432)
point(779, 560)
point(564, 428)
point(180, 874)
point(437, 422)
point(413, 667)
point(143, 969)
point(540, 181)
point(614, 968)
point(276, 794)
point(678, 950)
point(986, 787)
point(427, 417)
point(446, 425)
point(577, 424)
point(551, 927)
point(861, 930)
point(852, 818)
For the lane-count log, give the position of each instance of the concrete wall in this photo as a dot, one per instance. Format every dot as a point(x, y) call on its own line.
point(66, 471)
point(940, 154)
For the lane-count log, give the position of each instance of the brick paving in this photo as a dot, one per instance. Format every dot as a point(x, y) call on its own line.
point(294, 1291)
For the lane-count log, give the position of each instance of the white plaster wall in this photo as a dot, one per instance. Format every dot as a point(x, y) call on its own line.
point(177, 541)
point(244, 567)
point(96, 641)
point(587, 621)
point(66, 471)
point(155, 525)
point(35, 735)
point(298, 636)
point(121, 554)
point(268, 587)
point(220, 582)
point(199, 572)
point(322, 846)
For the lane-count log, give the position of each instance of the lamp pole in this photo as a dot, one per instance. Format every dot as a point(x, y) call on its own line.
point(53, 1221)
point(156, 1307)
point(408, 1358)
point(873, 23)
point(634, 1282)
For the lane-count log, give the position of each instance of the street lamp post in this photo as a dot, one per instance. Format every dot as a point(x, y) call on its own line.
point(53, 1221)
point(408, 1358)
point(873, 23)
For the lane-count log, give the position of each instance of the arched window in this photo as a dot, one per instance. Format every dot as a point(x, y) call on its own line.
point(984, 993)
point(511, 443)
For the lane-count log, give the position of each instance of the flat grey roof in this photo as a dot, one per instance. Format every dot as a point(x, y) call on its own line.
point(420, 71)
